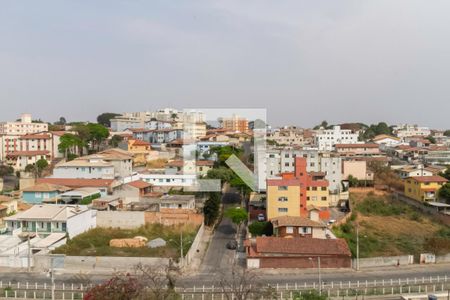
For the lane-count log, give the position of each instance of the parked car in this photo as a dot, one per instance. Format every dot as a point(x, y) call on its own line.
point(331, 221)
point(261, 217)
point(345, 209)
point(232, 245)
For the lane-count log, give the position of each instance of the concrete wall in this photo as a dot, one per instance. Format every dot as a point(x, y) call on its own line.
point(91, 263)
point(443, 258)
point(384, 261)
point(173, 217)
point(120, 219)
point(81, 223)
point(195, 245)
point(85, 263)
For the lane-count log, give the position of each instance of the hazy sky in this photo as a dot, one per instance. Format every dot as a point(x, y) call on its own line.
point(304, 61)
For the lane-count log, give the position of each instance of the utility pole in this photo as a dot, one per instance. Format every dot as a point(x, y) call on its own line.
point(29, 254)
point(320, 275)
point(357, 247)
point(181, 249)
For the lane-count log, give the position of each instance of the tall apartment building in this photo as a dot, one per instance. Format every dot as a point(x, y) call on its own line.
point(293, 192)
point(327, 138)
point(23, 126)
point(161, 119)
point(234, 123)
point(283, 160)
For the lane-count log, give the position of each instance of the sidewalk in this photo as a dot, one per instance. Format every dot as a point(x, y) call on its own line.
point(197, 259)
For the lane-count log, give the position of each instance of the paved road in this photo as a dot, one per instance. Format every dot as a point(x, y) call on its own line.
point(218, 257)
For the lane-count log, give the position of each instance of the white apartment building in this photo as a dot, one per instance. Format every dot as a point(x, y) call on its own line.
point(283, 160)
point(45, 219)
point(327, 138)
point(108, 164)
point(90, 168)
point(406, 130)
point(48, 141)
point(159, 119)
point(162, 179)
point(24, 126)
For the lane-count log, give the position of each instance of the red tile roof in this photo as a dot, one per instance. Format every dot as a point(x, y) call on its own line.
point(35, 136)
point(139, 184)
point(309, 246)
point(425, 179)
point(357, 146)
point(28, 153)
point(140, 143)
point(77, 182)
point(295, 221)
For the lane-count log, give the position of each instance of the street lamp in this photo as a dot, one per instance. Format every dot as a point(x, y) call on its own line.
point(320, 276)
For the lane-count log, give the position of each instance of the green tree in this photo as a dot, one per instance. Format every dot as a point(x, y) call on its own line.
point(444, 192)
point(222, 173)
point(68, 143)
point(41, 165)
point(261, 228)
point(446, 173)
point(6, 170)
point(353, 181)
point(237, 216)
point(324, 124)
point(105, 118)
point(115, 140)
point(97, 134)
point(431, 139)
point(211, 208)
point(61, 121)
point(377, 129)
point(447, 133)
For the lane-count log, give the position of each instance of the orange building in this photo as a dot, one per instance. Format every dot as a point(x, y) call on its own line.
point(291, 194)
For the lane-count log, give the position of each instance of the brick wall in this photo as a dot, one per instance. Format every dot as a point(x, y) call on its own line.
point(305, 262)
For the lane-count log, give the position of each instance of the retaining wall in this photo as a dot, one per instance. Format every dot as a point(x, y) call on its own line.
point(374, 262)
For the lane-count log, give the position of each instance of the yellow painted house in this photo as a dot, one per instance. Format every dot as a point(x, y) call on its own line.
point(140, 150)
point(424, 188)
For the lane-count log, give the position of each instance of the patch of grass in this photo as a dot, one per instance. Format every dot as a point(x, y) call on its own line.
point(388, 227)
point(95, 242)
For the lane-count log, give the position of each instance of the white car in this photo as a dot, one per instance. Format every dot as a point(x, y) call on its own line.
point(261, 217)
point(331, 221)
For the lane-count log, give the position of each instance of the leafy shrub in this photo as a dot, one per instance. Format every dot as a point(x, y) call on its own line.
point(261, 228)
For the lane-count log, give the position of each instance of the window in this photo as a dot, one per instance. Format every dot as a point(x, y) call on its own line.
point(314, 188)
point(307, 198)
point(38, 194)
point(282, 188)
point(289, 229)
point(282, 199)
point(286, 164)
point(286, 155)
point(282, 209)
point(324, 198)
point(324, 188)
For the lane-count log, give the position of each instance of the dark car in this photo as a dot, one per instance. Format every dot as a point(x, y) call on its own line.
point(232, 245)
point(345, 209)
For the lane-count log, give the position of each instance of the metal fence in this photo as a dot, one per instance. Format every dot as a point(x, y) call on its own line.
point(338, 290)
